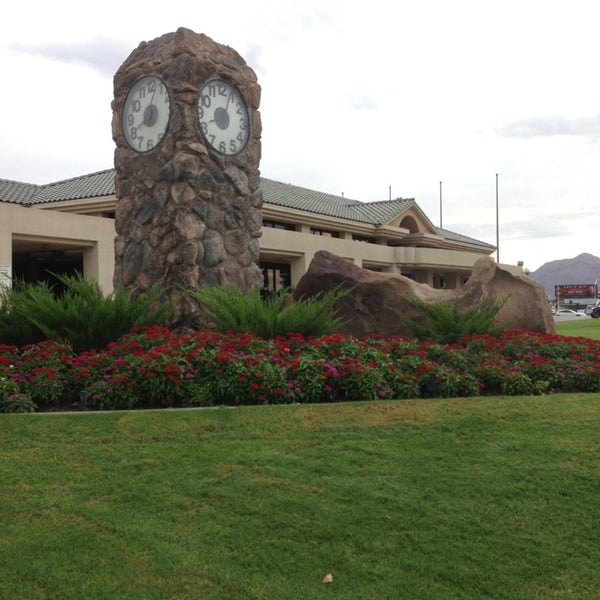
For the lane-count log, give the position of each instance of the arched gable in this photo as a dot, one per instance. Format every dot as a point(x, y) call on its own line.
point(415, 221)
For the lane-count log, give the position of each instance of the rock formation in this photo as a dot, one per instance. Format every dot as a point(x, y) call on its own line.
point(369, 307)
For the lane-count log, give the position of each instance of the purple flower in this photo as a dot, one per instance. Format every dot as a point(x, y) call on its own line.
point(332, 370)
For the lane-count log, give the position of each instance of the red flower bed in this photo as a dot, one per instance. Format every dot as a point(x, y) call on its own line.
point(156, 367)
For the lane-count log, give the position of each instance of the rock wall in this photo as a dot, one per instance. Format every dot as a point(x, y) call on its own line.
point(186, 215)
point(369, 307)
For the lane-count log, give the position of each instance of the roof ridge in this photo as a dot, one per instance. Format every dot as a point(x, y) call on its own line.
point(311, 191)
point(389, 200)
point(457, 236)
point(78, 178)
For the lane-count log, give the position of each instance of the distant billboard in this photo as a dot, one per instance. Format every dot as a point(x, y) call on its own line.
point(577, 290)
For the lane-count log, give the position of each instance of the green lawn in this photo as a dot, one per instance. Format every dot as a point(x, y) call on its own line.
point(579, 328)
point(449, 499)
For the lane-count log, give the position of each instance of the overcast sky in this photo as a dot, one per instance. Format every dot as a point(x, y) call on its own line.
point(360, 98)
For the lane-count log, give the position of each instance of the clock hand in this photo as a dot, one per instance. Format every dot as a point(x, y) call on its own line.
point(219, 111)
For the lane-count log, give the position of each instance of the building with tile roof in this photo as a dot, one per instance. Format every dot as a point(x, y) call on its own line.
point(69, 225)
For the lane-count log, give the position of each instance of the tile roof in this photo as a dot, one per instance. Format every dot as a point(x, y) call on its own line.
point(93, 185)
point(383, 211)
point(16, 192)
point(274, 192)
point(293, 196)
point(458, 237)
point(102, 183)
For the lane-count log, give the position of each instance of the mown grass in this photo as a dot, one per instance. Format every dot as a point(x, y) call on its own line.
point(463, 498)
point(589, 328)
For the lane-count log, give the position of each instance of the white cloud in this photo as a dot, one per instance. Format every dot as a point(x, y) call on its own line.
point(551, 126)
point(356, 99)
point(102, 54)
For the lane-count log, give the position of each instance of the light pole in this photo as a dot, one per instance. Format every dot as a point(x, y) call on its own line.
point(497, 225)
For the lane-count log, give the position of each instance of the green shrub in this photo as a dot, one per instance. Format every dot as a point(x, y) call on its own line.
point(14, 329)
point(82, 315)
point(446, 323)
point(229, 309)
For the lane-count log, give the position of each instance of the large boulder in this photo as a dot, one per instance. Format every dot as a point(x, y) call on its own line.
point(374, 299)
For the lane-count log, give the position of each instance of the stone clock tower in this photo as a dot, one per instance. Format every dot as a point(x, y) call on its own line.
point(187, 130)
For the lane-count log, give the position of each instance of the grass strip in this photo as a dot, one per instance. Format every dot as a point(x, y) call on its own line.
point(589, 328)
point(463, 498)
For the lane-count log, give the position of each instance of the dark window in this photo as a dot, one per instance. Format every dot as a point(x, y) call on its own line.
point(276, 277)
point(362, 238)
point(325, 232)
point(279, 225)
point(31, 267)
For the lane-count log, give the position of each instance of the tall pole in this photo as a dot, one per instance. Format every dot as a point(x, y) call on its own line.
point(440, 205)
point(497, 225)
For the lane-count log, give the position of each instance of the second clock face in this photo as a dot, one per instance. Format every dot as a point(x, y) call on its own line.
point(145, 114)
point(223, 117)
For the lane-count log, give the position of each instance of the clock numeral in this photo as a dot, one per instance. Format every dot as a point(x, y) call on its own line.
point(223, 117)
point(145, 116)
point(217, 88)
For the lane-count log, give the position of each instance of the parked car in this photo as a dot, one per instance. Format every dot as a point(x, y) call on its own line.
point(568, 312)
point(593, 309)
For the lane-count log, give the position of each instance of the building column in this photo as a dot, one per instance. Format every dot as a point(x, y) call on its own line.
point(98, 264)
point(452, 281)
point(298, 267)
point(424, 277)
point(5, 259)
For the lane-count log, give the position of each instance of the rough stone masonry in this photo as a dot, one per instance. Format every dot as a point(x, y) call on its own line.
point(186, 215)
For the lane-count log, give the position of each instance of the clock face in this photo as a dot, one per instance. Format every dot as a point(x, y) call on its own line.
point(145, 114)
point(223, 117)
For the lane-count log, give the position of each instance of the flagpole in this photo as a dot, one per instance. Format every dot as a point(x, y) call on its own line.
point(440, 205)
point(497, 225)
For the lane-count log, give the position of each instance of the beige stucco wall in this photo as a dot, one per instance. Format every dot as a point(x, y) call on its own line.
point(441, 258)
point(93, 235)
point(298, 248)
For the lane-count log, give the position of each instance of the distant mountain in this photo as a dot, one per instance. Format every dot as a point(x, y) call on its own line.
point(582, 269)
